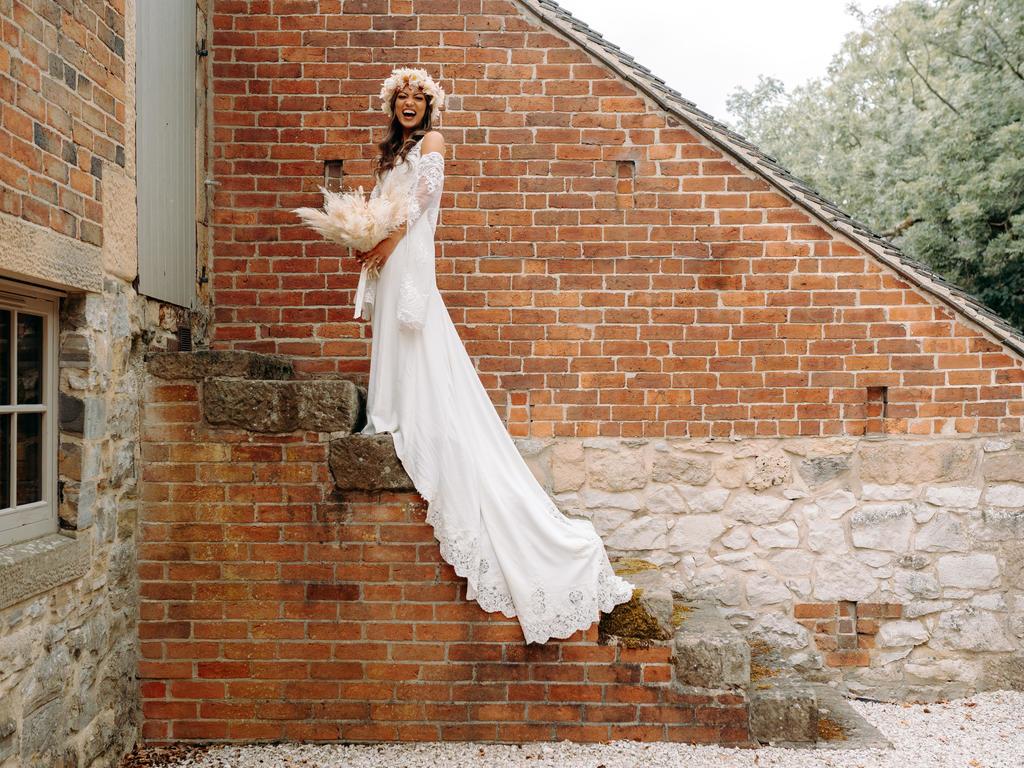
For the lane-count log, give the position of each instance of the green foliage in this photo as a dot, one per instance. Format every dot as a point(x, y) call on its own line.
point(916, 130)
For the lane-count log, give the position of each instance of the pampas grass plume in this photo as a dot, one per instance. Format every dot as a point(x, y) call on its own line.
point(355, 221)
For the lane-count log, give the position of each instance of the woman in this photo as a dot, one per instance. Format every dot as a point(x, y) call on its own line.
point(496, 525)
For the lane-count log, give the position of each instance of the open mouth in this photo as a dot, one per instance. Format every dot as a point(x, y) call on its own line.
point(408, 113)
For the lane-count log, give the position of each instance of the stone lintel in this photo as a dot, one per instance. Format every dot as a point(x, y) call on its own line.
point(207, 363)
point(34, 566)
point(38, 254)
point(368, 463)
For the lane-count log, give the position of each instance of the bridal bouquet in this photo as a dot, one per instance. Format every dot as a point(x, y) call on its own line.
point(355, 221)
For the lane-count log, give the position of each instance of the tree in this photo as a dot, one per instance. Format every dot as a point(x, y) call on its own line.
point(916, 129)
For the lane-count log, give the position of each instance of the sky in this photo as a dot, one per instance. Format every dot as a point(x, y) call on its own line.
point(705, 48)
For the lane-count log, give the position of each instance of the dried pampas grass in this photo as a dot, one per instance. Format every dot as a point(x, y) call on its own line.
point(355, 221)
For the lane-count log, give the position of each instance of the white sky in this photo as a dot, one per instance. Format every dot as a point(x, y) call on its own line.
point(705, 48)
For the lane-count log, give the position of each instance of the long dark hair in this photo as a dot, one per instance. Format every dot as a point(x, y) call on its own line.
point(394, 148)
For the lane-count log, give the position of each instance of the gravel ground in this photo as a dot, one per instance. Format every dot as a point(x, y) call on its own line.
point(983, 731)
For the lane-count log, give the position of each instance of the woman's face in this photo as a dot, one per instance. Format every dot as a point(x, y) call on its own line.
point(410, 104)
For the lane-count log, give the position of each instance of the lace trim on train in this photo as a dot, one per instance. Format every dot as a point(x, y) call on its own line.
point(549, 615)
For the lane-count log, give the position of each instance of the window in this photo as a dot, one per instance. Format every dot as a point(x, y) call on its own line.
point(28, 413)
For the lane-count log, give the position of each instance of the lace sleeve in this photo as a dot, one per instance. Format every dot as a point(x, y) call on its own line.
point(424, 205)
point(425, 195)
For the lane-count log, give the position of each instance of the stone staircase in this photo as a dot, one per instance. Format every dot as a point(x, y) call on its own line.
point(658, 667)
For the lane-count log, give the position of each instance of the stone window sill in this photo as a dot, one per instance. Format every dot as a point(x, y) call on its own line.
point(30, 567)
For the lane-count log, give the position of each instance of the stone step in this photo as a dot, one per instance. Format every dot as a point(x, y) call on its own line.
point(709, 652)
point(207, 363)
point(272, 406)
point(367, 463)
point(783, 710)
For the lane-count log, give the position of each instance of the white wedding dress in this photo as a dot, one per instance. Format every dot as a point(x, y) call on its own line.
point(495, 524)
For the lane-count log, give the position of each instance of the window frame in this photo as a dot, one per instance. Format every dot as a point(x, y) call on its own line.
point(29, 521)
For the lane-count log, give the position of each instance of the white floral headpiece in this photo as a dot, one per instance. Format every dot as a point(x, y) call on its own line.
point(414, 78)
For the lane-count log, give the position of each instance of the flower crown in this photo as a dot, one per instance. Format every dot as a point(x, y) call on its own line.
point(414, 78)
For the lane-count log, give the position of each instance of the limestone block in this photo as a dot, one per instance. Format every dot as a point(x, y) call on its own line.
point(695, 533)
point(783, 536)
point(665, 500)
point(823, 533)
point(672, 465)
point(883, 526)
point(997, 524)
point(325, 405)
point(730, 473)
point(899, 633)
point(594, 499)
point(765, 589)
point(1013, 571)
point(837, 503)
point(943, 534)
point(769, 470)
point(916, 585)
point(971, 629)
point(1005, 495)
point(887, 463)
point(607, 521)
point(616, 469)
point(916, 608)
point(368, 463)
point(780, 632)
point(736, 538)
point(842, 578)
point(875, 492)
point(648, 532)
point(1003, 467)
point(974, 571)
point(957, 496)
point(822, 469)
point(760, 510)
point(568, 469)
point(704, 502)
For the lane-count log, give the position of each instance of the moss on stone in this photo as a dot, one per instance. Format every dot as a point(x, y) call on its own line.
point(627, 566)
point(631, 623)
point(679, 612)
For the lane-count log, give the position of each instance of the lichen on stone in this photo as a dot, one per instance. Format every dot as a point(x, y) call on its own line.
point(830, 730)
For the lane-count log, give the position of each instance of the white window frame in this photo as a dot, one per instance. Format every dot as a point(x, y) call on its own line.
point(29, 521)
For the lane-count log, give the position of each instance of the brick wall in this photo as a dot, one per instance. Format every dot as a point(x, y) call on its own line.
point(610, 272)
point(270, 609)
point(62, 84)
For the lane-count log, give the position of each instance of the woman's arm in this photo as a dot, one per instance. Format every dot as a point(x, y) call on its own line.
point(425, 192)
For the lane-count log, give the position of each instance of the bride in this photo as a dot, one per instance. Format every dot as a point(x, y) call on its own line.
point(495, 524)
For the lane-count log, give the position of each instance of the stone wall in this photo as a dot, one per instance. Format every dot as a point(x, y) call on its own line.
point(69, 599)
point(895, 565)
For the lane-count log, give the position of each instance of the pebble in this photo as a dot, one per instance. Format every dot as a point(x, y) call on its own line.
point(983, 731)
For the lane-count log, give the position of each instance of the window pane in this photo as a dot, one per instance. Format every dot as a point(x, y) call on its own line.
point(29, 472)
point(5, 461)
point(30, 358)
point(5, 357)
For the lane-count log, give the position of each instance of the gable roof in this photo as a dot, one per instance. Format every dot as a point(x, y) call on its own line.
point(916, 272)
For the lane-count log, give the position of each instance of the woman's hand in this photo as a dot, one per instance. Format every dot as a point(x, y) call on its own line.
point(375, 258)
